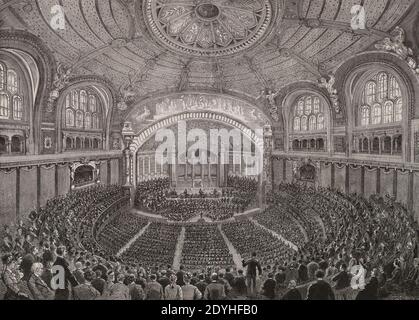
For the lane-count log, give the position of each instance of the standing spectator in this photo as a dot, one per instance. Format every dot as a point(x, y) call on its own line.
point(118, 290)
point(153, 289)
point(293, 293)
point(64, 294)
point(253, 266)
point(215, 290)
point(179, 275)
point(189, 291)
point(98, 282)
point(239, 284)
point(269, 286)
point(343, 283)
point(320, 290)
point(78, 273)
point(136, 292)
point(201, 284)
point(302, 272)
point(173, 291)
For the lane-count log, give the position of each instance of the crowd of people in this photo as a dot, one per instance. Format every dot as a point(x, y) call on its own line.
point(205, 246)
point(360, 249)
point(155, 196)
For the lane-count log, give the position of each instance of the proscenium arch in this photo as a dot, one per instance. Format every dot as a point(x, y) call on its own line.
point(144, 135)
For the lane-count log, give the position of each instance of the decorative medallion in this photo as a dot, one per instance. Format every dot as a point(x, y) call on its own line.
point(208, 28)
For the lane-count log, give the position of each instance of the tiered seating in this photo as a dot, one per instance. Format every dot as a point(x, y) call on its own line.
point(205, 246)
point(120, 230)
point(280, 221)
point(155, 247)
point(246, 237)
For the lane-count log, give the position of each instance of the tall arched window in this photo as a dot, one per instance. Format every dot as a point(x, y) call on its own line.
point(388, 112)
point(12, 81)
point(365, 115)
point(308, 114)
point(376, 114)
point(2, 80)
point(11, 93)
point(4, 105)
point(17, 108)
point(82, 110)
point(382, 95)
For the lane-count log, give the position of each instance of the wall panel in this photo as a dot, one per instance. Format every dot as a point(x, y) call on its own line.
point(114, 171)
point(63, 179)
point(340, 177)
point(104, 172)
point(47, 184)
point(28, 191)
point(8, 196)
point(278, 169)
point(289, 174)
point(325, 179)
point(370, 182)
point(354, 180)
point(402, 186)
point(386, 184)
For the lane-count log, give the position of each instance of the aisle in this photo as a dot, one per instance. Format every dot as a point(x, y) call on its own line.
point(179, 248)
point(236, 256)
point(132, 241)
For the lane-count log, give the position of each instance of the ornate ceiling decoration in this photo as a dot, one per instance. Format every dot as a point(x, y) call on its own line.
point(208, 28)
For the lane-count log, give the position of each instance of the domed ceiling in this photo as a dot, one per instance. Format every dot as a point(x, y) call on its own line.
point(235, 47)
point(208, 28)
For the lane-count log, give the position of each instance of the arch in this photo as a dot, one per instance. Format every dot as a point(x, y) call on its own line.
point(387, 144)
point(34, 48)
point(355, 72)
point(3, 144)
point(16, 144)
point(292, 107)
point(148, 132)
point(104, 92)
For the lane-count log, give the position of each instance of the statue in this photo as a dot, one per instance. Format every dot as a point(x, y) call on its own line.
point(329, 84)
point(269, 95)
point(61, 79)
point(395, 44)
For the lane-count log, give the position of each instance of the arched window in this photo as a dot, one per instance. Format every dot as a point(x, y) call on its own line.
point(297, 124)
point(87, 121)
point(4, 105)
point(370, 93)
point(12, 81)
point(92, 103)
point(69, 117)
point(382, 86)
point(83, 100)
point(304, 124)
point(365, 115)
point(388, 112)
point(11, 93)
point(17, 108)
point(95, 121)
point(82, 103)
point(308, 114)
point(75, 99)
point(79, 119)
point(312, 123)
point(382, 95)
point(376, 114)
point(320, 122)
point(3, 145)
point(2, 80)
